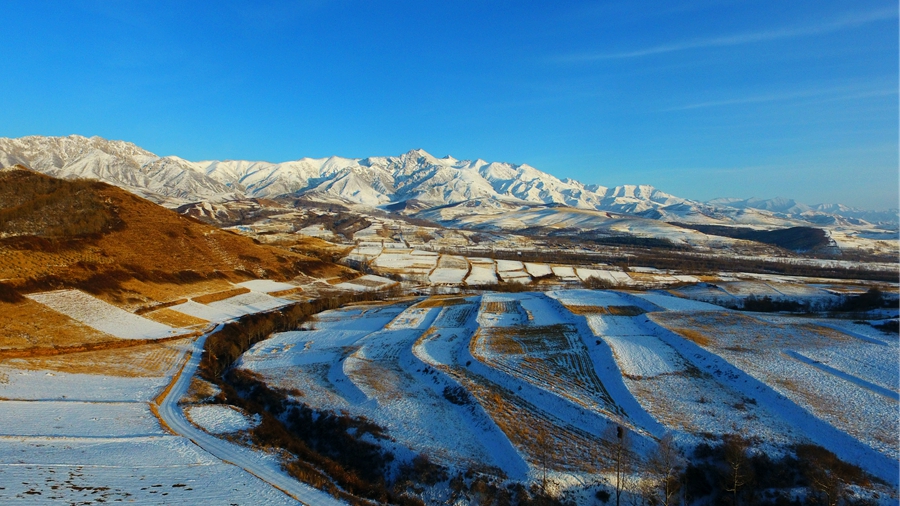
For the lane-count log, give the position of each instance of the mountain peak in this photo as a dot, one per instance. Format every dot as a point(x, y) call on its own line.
point(415, 174)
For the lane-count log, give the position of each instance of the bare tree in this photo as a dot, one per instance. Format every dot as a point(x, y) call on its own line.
point(543, 441)
point(664, 468)
point(620, 440)
point(737, 471)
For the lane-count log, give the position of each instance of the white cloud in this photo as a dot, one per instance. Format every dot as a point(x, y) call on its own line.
point(850, 21)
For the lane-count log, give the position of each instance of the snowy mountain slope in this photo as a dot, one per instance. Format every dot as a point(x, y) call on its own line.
point(164, 180)
point(386, 181)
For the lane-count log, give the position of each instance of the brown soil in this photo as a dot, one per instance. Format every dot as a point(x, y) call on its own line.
point(140, 248)
point(215, 297)
point(28, 324)
point(145, 360)
point(175, 319)
point(442, 301)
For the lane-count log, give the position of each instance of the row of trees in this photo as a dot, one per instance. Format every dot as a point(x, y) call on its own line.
point(224, 347)
point(729, 473)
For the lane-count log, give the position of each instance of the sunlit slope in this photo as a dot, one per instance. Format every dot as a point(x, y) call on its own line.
point(89, 234)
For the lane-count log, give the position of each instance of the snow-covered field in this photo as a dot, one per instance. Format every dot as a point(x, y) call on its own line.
point(218, 419)
point(576, 361)
point(248, 303)
point(266, 285)
point(207, 312)
point(93, 438)
point(450, 270)
point(143, 470)
point(483, 272)
point(103, 316)
point(367, 283)
point(833, 384)
point(469, 381)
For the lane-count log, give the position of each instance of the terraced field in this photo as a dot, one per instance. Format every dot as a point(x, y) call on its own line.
point(531, 381)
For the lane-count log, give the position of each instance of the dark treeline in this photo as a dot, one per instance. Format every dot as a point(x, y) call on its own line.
point(871, 299)
point(729, 473)
point(236, 337)
point(794, 238)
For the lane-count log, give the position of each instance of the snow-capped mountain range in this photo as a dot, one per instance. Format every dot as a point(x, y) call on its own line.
point(415, 176)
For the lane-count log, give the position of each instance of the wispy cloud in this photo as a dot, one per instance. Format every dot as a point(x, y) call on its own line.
point(834, 25)
point(828, 94)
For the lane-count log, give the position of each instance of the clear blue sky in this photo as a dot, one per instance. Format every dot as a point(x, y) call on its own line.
point(699, 98)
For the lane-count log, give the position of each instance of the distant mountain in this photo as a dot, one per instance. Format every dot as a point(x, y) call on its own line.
point(411, 182)
point(823, 214)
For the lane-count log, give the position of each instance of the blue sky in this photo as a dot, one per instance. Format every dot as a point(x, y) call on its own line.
point(701, 99)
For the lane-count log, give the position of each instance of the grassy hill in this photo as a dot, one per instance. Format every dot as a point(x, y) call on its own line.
point(99, 238)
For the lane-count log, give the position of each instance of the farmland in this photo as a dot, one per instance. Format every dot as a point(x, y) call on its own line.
point(531, 383)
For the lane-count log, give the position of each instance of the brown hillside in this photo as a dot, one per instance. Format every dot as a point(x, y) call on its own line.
point(99, 238)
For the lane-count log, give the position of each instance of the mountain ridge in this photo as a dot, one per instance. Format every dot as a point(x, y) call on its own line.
point(380, 181)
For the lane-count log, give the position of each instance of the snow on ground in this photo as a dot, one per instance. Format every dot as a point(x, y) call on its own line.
point(406, 260)
point(565, 272)
point(856, 357)
point(77, 419)
point(317, 230)
point(450, 270)
point(500, 309)
point(510, 265)
point(248, 303)
point(705, 292)
point(91, 438)
point(672, 303)
point(747, 288)
point(219, 419)
point(481, 274)
point(793, 290)
point(103, 316)
point(642, 355)
point(664, 382)
point(538, 270)
point(414, 317)
point(266, 285)
point(771, 361)
point(515, 277)
point(365, 252)
point(362, 358)
point(311, 360)
point(206, 312)
point(452, 276)
point(584, 274)
point(597, 298)
point(46, 385)
point(367, 283)
point(144, 470)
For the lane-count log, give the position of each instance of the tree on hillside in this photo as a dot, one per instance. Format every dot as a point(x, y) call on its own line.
point(543, 442)
point(664, 468)
point(619, 439)
point(736, 472)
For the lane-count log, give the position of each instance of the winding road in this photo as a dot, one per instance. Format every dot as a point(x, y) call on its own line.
point(249, 460)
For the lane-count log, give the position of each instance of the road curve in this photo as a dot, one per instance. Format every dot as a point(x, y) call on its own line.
point(173, 416)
